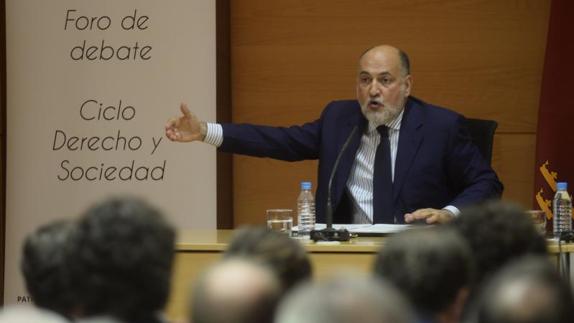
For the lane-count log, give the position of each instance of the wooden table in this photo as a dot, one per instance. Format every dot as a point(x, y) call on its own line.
point(197, 250)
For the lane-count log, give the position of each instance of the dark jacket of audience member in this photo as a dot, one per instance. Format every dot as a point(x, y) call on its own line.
point(122, 260)
point(285, 256)
point(44, 267)
point(432, 267)
point(529, 290)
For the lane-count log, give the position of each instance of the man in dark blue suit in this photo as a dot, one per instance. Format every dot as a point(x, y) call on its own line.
point(406, 160)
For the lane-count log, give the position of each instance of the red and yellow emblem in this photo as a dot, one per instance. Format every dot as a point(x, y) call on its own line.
point(545, 202)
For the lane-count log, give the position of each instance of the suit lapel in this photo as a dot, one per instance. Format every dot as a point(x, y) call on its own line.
point(410, 138)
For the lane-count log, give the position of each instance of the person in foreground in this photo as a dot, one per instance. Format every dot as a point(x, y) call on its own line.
point(43, 265)
point(29, 314)
point(285, 256)
point(236, 290)
point(497, 233)
point(406, 160)
point(345, 298)
point(432, 267)
point(121, 260)
point(529, 290)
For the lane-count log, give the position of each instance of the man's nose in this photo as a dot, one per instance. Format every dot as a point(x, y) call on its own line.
point(374, 89)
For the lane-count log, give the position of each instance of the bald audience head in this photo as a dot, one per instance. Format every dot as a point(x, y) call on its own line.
point(285, 256)
point(529, 290)
point(345, 299)
point(236, 291)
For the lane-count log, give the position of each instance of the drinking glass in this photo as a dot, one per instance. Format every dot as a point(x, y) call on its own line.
point(539, 219)
point(280, 220)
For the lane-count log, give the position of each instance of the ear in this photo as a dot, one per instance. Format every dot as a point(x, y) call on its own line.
point(453, 312)
point(408, 85)
point(459, 303)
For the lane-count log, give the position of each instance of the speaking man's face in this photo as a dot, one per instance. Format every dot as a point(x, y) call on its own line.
point(382, 86)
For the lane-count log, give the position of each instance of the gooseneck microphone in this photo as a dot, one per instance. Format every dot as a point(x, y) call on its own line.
point(330, 234)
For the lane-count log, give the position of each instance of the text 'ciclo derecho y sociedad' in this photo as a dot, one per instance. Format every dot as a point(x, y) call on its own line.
point(117, 141)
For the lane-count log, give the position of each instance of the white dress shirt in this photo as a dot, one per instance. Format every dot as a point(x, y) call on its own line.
point(360, 181)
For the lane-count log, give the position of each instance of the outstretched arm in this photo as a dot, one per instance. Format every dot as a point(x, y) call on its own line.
point(186, 127)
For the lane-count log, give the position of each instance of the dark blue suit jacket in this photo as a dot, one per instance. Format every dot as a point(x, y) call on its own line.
point(436, 163)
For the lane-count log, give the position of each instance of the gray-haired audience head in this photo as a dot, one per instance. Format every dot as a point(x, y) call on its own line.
point(29, 314)
point(497, 232)
point(529, 290)
point(235, 290)
point(345, 299)
point(285, 256)
point(431, 267)
point(44, 267)
point(122, 259)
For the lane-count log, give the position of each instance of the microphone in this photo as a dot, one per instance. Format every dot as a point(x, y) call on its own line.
point(330, 234)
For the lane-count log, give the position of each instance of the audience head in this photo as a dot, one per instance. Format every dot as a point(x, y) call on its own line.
point(529, 290)
point(235, 290)
point(98, 319)
point(285, 256)
point(29, 314)
point(345, 299)
point(497, 232)
point(44, 267)
point(122, 260)
point(432, 267)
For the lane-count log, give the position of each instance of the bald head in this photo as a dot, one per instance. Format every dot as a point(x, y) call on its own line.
point(396, 55)
point(235, 291)
point(238, 280)
point(345, 298)
point(529, 290)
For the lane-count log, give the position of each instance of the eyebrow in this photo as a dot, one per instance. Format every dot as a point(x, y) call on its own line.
point(380, 74)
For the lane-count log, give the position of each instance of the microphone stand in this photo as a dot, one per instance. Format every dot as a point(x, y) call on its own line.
point(330, 234)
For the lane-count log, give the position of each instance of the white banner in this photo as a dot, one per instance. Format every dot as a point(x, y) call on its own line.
point(90, 85)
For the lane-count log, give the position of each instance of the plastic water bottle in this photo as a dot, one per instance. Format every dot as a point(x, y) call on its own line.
point(305, 210)
point(562, 208)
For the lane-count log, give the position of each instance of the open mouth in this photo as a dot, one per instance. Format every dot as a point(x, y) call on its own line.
point(375, 105)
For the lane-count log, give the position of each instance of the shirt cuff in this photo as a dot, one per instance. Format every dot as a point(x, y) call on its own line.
point(453, 209)
point(214, 135)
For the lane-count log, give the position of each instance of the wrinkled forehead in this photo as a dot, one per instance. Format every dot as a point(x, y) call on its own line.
point(380, 60)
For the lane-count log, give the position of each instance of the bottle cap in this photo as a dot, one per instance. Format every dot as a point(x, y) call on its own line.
point(306, 185)
point(562, 186)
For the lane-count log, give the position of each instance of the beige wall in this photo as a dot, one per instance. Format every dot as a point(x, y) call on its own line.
point(289, 58)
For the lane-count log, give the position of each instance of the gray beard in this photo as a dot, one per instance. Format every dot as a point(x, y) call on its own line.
point(378, 118)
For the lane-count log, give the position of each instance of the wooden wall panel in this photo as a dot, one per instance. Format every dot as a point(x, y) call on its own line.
point(513, 161)
point(290, 58)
